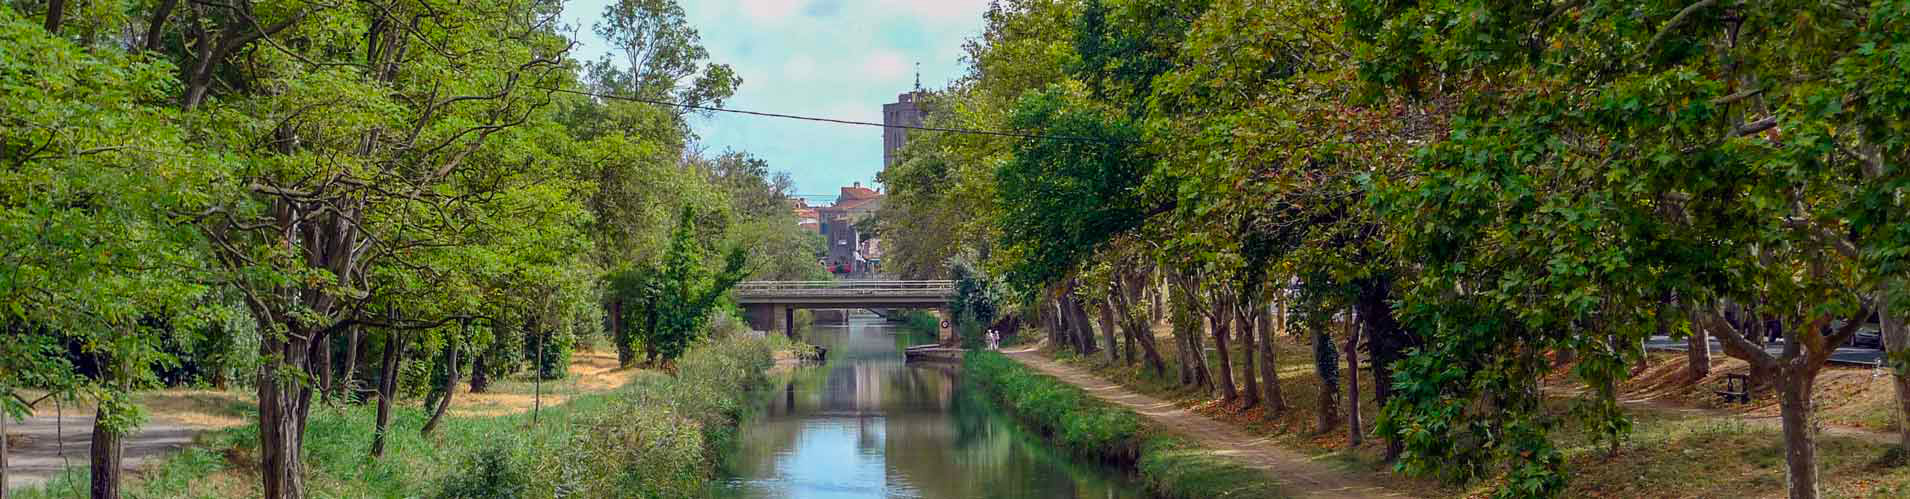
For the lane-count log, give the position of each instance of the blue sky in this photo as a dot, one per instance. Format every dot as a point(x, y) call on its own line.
point(831, 58)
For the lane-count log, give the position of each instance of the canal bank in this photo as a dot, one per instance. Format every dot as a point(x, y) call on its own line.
point(1176, 453)
point(869, 424)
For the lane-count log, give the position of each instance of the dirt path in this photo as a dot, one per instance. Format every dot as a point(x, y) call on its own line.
point(34, 454)
point(1297, 473)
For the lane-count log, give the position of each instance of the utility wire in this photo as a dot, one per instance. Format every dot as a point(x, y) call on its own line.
point(838, 121)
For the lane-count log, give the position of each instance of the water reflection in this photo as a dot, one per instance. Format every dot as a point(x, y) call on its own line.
point(869, 425)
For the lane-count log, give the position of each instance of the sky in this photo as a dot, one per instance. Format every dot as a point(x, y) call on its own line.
point(838, 59)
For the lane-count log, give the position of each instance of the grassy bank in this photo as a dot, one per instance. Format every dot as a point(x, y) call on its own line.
point(657, 436)
point(1684, 441)
point(1085, 426)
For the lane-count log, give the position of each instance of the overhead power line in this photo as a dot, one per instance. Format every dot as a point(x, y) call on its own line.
point(970, 131)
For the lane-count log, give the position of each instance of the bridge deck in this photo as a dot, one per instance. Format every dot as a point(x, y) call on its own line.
point(874, 292)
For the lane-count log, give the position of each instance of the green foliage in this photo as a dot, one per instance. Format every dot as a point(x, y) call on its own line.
point(96, 171)
point(1061, 199)
point(668, 304)
point(666, 448)
point(230, 187)
point(488, 474)
point(977, 295)
point(920, 324)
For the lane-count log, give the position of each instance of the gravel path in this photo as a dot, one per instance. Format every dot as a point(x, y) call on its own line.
point(1296, 473)
point(33, 453)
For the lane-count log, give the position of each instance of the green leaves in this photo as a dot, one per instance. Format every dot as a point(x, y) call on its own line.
point(1061, 199)
point(668, 304)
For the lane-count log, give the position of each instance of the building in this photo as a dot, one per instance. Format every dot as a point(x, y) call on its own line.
point(806, 217)
point(837, 222)
point(905, 111)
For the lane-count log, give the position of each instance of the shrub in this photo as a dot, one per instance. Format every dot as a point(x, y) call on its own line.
point(663, 434)
point(489, 474)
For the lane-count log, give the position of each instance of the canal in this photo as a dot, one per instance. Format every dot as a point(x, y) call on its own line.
point(867, 424)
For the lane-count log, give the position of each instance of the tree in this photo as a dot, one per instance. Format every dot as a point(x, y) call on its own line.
point(1634, 151)
point(335, 194)
point(668, 303)
point(94, 177)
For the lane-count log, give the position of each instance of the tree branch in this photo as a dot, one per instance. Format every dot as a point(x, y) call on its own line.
point(1676, 20)
point(1730, 335)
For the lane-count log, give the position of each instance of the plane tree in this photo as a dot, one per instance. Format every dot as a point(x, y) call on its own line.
point(1604, 154)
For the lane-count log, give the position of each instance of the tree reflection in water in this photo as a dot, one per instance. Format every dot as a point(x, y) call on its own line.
point(867, 424)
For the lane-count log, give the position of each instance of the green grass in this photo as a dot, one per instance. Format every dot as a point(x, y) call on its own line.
point(1075, 420)
point(658, 436)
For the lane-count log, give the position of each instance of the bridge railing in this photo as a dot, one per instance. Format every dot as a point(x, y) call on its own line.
point(847, 284)
point(837, 288)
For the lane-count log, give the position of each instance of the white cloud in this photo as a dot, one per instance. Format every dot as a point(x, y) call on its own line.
point(769, 10)
point(936, 9)
point(884, 65)
point(799, 68)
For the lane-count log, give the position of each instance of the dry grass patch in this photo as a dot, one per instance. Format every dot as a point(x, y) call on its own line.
point(1686, 441)
point(590, 372)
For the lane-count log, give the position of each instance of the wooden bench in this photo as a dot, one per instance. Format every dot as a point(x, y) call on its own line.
point(1737, 388)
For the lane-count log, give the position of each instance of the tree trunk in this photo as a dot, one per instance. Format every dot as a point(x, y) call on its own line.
point(1896, 339)
point(450, 387)
point(1388, 341)
point(284, 402)
point(1352, 381)
point(1127, 348)
point(1058, 323)
point(387, 389)
point(625, 354)
point(537, 381)
point(1218, 323)
point(1800, 438)
point(1127, 295)
point(1186, 357)
point(156, 26)
point(347, 386)
point(105, 458)
point(1187, 324)
point(1250, 389)
point(1156, 308)
point(1108, 330)
point(1328, 409)
point(1269, 371)
point(1078, 321)
point(1697, 350)
point(324, 365)
point(56, 14)
point(480, 380)
point(3, 453)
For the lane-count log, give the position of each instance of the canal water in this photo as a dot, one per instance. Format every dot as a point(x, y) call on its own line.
point(866, 424)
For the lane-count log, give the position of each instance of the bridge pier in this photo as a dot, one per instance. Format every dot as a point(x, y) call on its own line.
point(771, 317)
point(760, 316)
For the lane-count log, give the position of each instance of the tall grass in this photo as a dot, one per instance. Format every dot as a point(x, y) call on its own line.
point(657, 437)
point(1086, 426)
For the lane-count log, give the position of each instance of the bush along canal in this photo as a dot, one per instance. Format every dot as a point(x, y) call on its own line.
point(1076, 422)
point(868, 424)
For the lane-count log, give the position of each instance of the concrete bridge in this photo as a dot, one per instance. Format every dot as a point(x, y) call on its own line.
point(772, 305)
